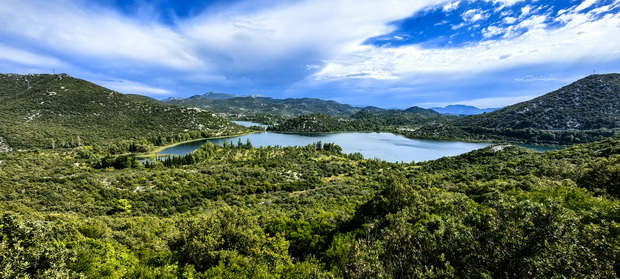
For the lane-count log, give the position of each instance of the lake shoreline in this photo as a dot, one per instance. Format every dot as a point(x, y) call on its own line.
point(492, 142)
point(390, 146)
point(153, 153)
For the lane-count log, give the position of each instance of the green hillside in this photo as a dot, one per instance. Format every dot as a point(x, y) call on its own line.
point(363, 120)
point(61, 111)
point(584, 111)
point(248, 106)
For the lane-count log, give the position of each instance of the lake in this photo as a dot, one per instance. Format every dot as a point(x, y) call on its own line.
point(385, 146)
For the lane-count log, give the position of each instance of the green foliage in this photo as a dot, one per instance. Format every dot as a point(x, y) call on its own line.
point(364, 120)
point(587, 104)
point(584, 111)
point(59, 111)
point(448, 131)
point(33, 248)
point(237, 211)
point(263, 109)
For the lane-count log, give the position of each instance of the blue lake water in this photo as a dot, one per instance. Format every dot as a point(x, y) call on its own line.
point(385, 146)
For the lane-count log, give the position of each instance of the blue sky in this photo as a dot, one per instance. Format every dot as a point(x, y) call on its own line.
point(388, 53)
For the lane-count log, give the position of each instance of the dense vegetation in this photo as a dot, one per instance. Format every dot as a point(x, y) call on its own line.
point(587, 104)
point(49, 111)
point(364, 120)
point(238, 211)
point(451, 131)
point(252, 105)
point(584, 111)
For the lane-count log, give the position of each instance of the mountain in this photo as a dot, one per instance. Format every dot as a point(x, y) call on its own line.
point(59, 110)
point(252, 105)
point(422, 111)
point(462, 110)
point(218, 96)
point(589, 103)
point(364, 120)
point(587, 110)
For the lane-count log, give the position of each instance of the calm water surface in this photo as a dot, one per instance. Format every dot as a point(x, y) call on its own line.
point(385, 146)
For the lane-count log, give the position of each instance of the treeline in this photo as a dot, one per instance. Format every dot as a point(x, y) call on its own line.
point(262, 118)
point(209, 149)
point(447, 131)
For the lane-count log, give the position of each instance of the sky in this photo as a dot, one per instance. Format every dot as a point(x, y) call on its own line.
point(385, 53)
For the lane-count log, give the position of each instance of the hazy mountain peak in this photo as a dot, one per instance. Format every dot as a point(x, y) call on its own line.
point(459, 109)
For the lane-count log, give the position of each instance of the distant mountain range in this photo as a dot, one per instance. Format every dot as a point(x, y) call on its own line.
point(212, 96)
point(462, 110)
point(59, 110)
point(234, 105)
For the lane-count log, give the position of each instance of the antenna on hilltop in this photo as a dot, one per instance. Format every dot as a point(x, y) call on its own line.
point(594, 72)
point(53, 71)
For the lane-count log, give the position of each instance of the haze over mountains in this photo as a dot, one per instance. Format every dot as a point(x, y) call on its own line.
point(231, 104)
point(462, 110)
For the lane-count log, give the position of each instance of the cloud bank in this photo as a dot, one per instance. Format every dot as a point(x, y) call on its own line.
point(318, 48)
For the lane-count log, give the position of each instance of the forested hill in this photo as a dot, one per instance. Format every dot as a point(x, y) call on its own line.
point(587, 110)
point(363, 120)
point(590, 103)
point(462, 110)
point(251, 105)
point(61, 111)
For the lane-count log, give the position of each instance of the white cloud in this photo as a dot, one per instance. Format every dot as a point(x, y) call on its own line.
point(451, 6)
point(458, 26)
point(320, 37)
point(73, 29)
point(27, 58)
point(229, 46)
point(579, 40)
point(131, 87)
point(532, 23)
point(506, 2)
point(473, 15)
point(509, 20)
point(525, 11)
point(531, 78)
point(325, 27)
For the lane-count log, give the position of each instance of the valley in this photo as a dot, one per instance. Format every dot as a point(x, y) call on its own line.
point(75, 201)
